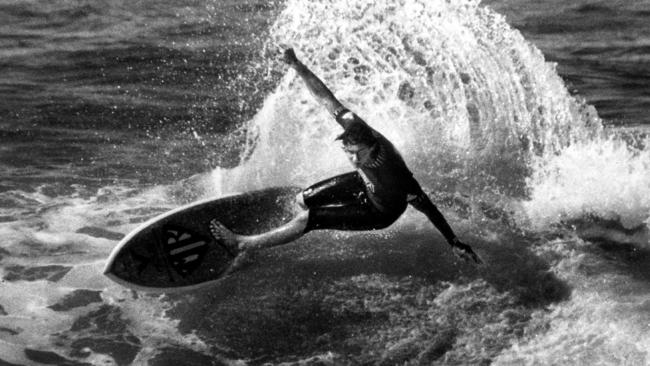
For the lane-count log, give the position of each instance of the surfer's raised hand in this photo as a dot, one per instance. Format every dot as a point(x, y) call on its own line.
point(290, 57)
point(465, 252)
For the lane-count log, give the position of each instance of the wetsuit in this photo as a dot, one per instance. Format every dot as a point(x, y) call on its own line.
point(372, 197)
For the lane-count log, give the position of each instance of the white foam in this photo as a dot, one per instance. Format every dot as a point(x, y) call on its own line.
point(29, 316)
point(601, 177)
point(603, 323)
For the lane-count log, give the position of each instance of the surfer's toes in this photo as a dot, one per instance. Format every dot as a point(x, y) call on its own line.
point(223, 234)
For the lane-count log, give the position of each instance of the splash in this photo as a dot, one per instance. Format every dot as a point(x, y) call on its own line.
point(604, 177)
point(463, 96)
point(599, 189)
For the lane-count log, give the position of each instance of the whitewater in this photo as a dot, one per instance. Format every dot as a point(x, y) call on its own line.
point(554, 200)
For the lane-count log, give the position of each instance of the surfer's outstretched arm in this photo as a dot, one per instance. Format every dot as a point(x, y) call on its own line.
point(315, 85)
point(422, 203)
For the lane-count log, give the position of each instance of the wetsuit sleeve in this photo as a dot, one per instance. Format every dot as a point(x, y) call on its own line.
point(421, 202)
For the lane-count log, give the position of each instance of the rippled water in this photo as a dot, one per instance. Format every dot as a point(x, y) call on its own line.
point(526, 121)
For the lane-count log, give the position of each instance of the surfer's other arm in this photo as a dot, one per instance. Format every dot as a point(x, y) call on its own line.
point(422, 203)
point(315, 85)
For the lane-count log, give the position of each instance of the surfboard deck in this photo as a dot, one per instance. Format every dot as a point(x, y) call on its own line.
point(176, 251)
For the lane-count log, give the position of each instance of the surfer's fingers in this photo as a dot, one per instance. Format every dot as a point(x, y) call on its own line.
point(475, 257)
point(461, 253)
point(468, 255)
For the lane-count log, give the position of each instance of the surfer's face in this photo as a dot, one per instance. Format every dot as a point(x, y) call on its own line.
point(358, 154)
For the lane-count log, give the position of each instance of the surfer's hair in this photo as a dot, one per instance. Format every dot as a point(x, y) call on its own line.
point(357, 133)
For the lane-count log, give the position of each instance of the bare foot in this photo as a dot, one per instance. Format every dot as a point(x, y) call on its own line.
point(224, 236)
point(234, 245)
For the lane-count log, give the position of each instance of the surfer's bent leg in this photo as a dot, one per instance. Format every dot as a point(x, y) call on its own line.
point(338, 203)
point(342, 189)
point(341, 203)
point(286, 233)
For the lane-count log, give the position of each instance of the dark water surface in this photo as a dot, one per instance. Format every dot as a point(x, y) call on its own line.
point(138, 79)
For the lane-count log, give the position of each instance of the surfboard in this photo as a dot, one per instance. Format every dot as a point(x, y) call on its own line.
point(176, 252)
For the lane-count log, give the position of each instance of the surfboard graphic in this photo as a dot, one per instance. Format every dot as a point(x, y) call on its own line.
point(185, 249)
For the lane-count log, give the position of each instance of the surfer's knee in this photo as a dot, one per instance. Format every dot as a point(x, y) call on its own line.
point(300, 201)
point(302, 221)
point(302, 217)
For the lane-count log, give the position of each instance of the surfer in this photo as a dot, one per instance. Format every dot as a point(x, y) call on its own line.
point(372, 197)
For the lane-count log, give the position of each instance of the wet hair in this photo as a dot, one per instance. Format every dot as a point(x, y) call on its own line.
point(357, 133)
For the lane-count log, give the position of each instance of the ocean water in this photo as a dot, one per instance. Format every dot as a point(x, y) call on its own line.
point(526, 121)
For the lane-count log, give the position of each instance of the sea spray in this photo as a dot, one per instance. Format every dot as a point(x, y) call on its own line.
point(474, 107)
point(466, 99)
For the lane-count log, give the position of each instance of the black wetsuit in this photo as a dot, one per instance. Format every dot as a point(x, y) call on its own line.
point(372, 197)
